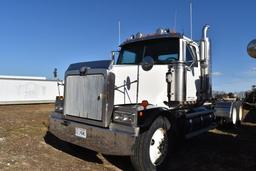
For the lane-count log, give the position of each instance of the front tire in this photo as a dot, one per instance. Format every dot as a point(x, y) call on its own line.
point(151, 147)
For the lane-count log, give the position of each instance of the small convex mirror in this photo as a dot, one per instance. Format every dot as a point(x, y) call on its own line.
point(147, 63)
point(251, 48)
point(128, 83)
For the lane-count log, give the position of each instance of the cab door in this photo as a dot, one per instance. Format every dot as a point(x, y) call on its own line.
point(191, 58)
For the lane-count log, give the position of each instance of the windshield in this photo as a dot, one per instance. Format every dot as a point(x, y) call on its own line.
point(163, 51)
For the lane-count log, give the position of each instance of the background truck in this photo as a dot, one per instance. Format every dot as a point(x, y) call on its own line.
point(157, 92)
point(229, 111)
point(250, 99)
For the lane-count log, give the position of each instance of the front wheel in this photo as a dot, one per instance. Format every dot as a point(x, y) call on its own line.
point(152, 146)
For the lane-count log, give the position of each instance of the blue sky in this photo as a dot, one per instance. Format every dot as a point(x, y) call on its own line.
point(38, 35)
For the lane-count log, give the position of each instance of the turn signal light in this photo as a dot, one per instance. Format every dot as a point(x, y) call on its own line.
point(140, 114)
point(144, 103)
point(59, 98)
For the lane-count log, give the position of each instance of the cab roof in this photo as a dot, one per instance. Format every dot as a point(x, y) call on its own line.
point(141, 37)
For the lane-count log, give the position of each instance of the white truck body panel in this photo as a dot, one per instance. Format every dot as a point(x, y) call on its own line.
point(152, 84)
point(121, 73)
point(191, 88)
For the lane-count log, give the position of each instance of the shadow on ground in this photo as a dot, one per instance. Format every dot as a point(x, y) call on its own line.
point(222, 149)
point(250, 116)
point(121, 162)
point(72, 149)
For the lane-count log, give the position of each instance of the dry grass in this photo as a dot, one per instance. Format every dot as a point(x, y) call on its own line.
point(26, 145)
point(23, 143)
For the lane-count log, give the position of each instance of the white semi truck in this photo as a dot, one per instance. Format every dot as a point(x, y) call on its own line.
point(158, 90)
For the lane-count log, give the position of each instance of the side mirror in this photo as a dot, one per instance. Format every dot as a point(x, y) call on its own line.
point(113, 54)
point(147, 63)
point(251, 48)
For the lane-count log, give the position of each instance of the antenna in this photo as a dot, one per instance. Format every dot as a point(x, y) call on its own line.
point(175, 20)
point(119, 33)
point(191, 22)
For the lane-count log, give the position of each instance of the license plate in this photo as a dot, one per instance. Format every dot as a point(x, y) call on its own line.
point(80, 132)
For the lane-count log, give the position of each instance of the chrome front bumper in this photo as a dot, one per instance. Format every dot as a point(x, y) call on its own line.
point(102, 140)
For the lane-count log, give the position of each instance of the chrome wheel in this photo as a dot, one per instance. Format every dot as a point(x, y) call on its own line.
point(234, 116)
point(158, 146)
point(240, 113)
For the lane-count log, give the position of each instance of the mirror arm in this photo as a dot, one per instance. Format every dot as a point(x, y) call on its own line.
point(189, 67)
point(192, 64)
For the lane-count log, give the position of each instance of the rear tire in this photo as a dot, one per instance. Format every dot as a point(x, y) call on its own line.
point(237, 114)
point(152, 146)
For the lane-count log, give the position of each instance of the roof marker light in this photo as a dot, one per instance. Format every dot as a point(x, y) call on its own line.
point(161, 31)
point(139, 35)
point(131, 37)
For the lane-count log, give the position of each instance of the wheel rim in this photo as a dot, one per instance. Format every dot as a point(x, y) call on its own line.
point(158, 146)
point(240, 113)
point(234, 116)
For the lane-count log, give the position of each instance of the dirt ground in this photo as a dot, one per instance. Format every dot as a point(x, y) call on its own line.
point(26, 145)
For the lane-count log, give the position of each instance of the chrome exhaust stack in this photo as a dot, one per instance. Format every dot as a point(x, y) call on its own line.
point(206, 65)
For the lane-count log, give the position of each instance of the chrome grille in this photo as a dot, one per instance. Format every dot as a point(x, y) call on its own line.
point(84, 96)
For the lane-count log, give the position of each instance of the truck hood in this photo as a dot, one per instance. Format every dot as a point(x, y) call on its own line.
point(102, 64)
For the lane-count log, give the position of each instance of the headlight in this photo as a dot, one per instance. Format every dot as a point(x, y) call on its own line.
point(59, 104)
point(123, 117)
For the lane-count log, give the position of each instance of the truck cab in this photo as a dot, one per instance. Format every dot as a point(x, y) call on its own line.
point(157, 88)
point(163, 49)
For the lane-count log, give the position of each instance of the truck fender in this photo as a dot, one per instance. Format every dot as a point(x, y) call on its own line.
point(149, 115)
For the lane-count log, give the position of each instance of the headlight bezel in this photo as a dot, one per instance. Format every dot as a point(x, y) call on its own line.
point(123, 117)
point(59, 104)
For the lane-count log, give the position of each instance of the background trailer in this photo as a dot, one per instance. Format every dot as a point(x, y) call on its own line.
point(25, 90)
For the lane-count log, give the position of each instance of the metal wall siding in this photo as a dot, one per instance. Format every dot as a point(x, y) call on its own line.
point(25, 91)
point(84, 96)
